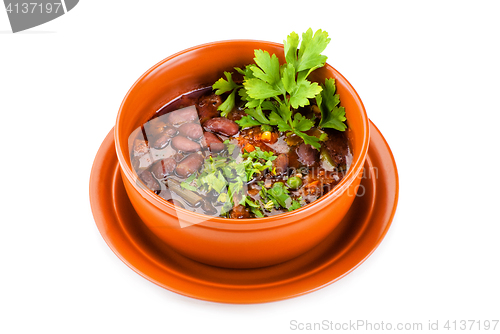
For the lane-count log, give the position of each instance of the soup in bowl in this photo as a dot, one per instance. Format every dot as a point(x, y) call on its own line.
point(227, 189)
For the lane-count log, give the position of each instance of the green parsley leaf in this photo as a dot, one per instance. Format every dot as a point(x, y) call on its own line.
point(288, 78)
point(291, 44)
point(258, 89)
point(276, 119)
point(332, 116)
point(228, 105)
point(247, 121)
point(268, 67)
point(309, 55)
point(311, 140)
point(268, 105)
point(300, 123)
point(246, 72)
point(258, 115)
point(336, 119)
point(304, 91)
point(222, 86)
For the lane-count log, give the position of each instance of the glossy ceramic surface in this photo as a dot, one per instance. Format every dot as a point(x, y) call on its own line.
point(232, 243)
point(356, 237)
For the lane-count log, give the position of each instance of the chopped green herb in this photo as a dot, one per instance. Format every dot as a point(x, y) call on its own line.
point(295, 205)
point(187, 183)
point(280, 193)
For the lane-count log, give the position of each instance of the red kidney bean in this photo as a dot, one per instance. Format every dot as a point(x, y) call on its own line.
point(281, 163)
point(222, 125)
point(307, 154)
point(185, 145)
point(164, 138)
point(161, 169)
point(209, 138)
point(213, 142)
point(207, 107)
point(191, 130)
point(149, 181)
point(189, 165)
point(184, 115)
point(217, 147)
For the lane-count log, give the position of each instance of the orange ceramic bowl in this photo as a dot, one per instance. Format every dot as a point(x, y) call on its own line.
point(232, 243)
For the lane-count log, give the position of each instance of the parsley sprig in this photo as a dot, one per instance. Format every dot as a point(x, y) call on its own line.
point(272, 92)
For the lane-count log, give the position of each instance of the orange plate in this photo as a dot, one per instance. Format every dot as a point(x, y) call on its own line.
point(363, 228)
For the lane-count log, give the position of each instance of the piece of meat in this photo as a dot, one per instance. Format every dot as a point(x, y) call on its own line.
point(239, 211)
point(337, 148)
point(281, 164)
point(236, 114)
point(140, 148)
point(155, 127)
point(307, 154)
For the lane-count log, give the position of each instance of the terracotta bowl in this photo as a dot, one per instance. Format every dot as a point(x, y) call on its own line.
point(242, 243)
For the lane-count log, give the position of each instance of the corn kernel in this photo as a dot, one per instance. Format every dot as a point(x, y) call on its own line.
point(266, 136)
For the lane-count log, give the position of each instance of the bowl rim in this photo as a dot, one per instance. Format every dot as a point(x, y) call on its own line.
point(245, 223)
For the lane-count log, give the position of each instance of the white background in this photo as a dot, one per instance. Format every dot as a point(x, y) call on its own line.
point(428, 73)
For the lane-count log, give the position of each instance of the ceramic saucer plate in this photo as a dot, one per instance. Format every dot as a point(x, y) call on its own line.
point(352, 242)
